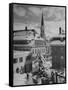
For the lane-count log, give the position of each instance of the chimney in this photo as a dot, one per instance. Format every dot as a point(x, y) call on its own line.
point(60, 30)
point(26, 28)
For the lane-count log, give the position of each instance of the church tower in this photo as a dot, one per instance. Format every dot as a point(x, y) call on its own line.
point(42, 32)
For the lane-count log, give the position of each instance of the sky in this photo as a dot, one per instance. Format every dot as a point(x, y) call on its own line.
point(30, 16)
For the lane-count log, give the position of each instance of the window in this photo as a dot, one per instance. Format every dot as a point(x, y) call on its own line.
point(17, 70)
point(15, 60)
point(20, 59)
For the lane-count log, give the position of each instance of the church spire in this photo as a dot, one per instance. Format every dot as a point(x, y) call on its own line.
point(42, 33)
point(42, 21)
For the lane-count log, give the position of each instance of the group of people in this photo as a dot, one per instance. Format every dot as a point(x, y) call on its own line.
point(42, 77)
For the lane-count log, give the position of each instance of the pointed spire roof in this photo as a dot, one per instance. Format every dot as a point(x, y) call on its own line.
point(42, 21)
point(42, 34)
